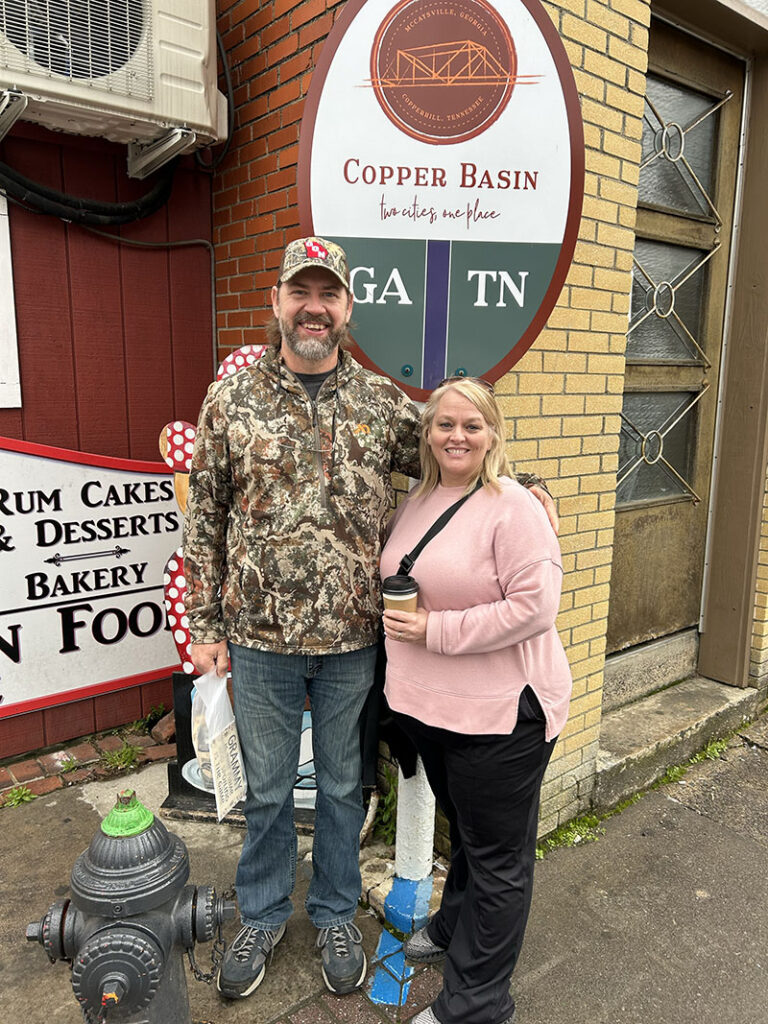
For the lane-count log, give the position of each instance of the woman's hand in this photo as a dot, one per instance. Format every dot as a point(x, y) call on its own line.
point(406, 627)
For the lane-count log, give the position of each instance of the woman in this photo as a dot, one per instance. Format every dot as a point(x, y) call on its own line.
point(479, 680)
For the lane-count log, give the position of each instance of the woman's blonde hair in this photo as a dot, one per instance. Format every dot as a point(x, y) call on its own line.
point(495, 462)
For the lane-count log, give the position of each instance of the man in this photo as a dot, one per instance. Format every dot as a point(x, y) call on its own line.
point(289, 491)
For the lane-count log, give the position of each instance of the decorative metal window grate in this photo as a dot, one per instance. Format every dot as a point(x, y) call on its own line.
point(658, 438)
point(668, 287)
point(677, 168)
point(96, 43)
point(655, 445)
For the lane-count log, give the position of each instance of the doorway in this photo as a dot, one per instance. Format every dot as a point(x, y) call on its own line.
point(687, 187)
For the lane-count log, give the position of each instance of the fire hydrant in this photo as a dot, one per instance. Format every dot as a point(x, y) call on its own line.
point(130, 919)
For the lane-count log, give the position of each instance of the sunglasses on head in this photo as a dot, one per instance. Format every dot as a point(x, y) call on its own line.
point(477, 380)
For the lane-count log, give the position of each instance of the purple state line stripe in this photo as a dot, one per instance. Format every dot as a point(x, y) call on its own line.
point(436, 313)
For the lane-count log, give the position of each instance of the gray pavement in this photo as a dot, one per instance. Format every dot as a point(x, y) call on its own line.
point(662, 919)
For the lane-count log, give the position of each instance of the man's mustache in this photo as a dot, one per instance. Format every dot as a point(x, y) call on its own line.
point(305, 318)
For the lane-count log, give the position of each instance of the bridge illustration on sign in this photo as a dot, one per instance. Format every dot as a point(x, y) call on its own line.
point(459, 63)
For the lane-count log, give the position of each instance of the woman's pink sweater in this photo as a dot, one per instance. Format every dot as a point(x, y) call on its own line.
point(490, 581)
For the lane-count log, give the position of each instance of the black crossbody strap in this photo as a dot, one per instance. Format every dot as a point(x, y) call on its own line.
point(407, 561)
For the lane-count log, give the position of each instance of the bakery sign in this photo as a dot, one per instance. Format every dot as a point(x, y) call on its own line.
point(83, 544)
point(442, 146)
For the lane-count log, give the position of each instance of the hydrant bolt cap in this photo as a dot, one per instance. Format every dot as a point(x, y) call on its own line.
point(122, 954)
point(129, 817)
point(54, 930)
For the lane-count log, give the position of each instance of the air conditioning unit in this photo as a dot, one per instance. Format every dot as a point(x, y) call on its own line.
point(141, 72)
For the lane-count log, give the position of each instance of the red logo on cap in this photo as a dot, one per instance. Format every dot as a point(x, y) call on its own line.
point(316, 251)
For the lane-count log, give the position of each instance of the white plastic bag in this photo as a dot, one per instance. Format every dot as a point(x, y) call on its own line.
point(201, 740)
point(226, 759)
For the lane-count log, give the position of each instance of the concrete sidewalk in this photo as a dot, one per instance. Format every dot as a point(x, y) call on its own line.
point(661, 921)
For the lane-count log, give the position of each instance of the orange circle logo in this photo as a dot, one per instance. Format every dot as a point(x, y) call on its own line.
point(443, 70)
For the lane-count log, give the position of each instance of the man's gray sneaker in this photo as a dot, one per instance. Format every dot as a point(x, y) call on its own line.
point(344, 962)
point(425, 1017)
point(421, 949)
point(428, 1017)
point(245, 962)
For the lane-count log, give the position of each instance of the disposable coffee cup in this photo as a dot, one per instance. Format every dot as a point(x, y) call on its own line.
point(400, 592)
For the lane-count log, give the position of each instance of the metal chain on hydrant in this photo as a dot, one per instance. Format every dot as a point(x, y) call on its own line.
point(218, 948)
point(92, 1017)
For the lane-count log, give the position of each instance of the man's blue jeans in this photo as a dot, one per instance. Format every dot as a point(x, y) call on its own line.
point(270, 691)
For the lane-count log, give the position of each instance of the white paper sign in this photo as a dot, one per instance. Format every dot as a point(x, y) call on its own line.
point(83, 543)
point(227, 766)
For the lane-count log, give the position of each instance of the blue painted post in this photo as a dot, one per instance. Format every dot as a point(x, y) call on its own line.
point(406, 907)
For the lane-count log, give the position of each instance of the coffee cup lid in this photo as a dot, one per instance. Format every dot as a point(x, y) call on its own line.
point(400, 585)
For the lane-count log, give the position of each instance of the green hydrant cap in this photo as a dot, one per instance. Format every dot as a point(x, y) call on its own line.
point(128, 817)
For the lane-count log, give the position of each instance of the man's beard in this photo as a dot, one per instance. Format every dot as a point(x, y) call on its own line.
point(314, 350)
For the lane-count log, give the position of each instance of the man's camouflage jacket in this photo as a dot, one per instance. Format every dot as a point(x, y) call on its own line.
point(287, 503)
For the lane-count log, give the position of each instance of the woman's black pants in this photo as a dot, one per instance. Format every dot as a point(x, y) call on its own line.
point(488, 788)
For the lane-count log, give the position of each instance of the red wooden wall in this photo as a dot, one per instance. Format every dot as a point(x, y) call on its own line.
point(114, 341)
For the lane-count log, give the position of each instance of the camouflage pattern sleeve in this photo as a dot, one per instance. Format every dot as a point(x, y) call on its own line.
point(407, 426)
point(205, 524)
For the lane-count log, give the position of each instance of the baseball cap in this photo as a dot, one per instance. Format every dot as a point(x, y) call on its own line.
point(314, 252)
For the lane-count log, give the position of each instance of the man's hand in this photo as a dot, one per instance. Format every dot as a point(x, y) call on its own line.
point(208, 656)
point(549, 507)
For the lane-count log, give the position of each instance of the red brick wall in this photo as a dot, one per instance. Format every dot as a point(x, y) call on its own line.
point(21, 734)
point(273, 47)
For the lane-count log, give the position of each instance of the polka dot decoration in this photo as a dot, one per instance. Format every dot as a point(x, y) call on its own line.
point(180, 437)
point(175, 587)
point(240, 359)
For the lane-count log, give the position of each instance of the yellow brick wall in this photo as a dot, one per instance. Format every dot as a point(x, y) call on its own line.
point(758, 667)
point(563, 399)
